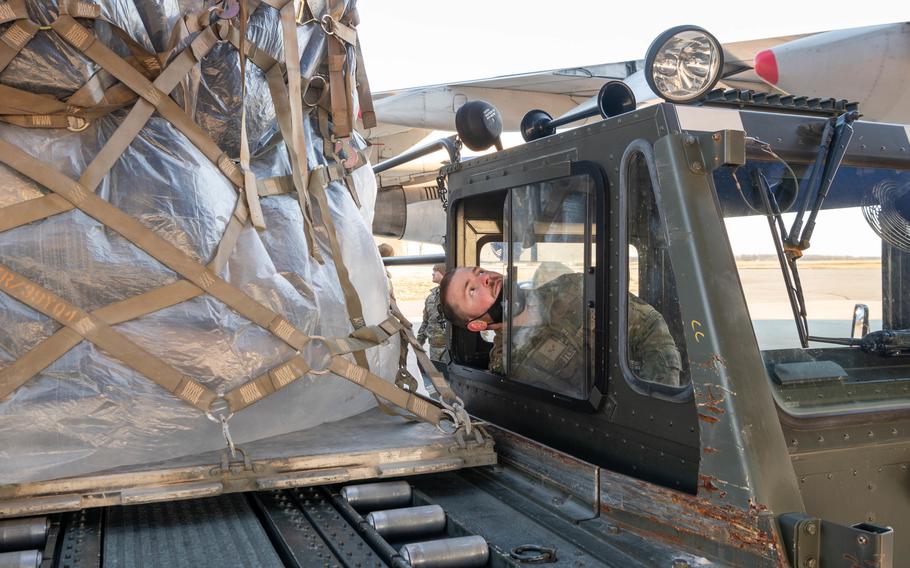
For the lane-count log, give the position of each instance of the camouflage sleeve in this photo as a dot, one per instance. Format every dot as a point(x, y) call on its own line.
point(497, 365)
point(427, 314)
point(651, 344)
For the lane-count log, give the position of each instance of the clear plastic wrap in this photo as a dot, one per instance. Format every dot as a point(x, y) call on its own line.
point(88, 411)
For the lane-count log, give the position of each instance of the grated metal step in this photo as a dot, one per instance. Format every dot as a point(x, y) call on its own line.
point(216, 531)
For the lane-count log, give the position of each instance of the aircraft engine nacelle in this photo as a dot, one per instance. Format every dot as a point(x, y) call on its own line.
point(410, 213)
point(869, 65)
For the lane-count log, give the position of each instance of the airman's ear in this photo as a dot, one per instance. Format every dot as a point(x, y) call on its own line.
point(477, 325)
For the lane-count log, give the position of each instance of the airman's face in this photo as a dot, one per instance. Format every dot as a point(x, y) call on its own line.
point(472, 291)
point(437, 276)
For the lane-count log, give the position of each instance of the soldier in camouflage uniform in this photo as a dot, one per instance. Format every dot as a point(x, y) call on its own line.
point(548, 335)
point(433, 327)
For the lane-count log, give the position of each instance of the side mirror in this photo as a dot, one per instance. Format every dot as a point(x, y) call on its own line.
point(860, 321)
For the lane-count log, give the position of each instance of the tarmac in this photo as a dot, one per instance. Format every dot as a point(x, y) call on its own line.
point(831, 288)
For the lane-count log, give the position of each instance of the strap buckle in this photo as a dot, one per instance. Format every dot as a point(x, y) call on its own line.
point(328, 24)
point(76, 123)
point(450, 417)
point(457, 415)
point(322, 83)
point(349, 157)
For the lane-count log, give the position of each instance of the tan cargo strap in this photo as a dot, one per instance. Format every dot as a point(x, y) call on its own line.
point(338, 35)
point(102, 335)
point(83, 40)
point(364, 95)
point(154, 96)
point(151, 243)
point(36, 209)
point(127, 131)
point(383, 389)
point(13, 10)
point(365, 337)
point(79, 8)
point(146, 62)
point(351, 298)
point(29, 110)
point(341, 84)
point(19, 214)
point(423, 360)
point(264, 385)
point(14, 39)
point(49, 350)
point(291, 121)
point(341, 110)
point(249, 178)
point(344, 152)
point(321, 175)
point(285, 109)
point(403, 377)
point(318, 192)
point(286, 373)
point(278, 185)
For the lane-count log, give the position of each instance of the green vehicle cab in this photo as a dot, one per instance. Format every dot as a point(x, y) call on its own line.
point(773, 238)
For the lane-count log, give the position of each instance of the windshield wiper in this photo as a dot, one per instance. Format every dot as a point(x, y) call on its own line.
point(790, 245)
point(787, 262)
point(885, 342)
point(836, 137)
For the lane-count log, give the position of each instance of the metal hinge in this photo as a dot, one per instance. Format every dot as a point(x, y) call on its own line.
point(812, 543)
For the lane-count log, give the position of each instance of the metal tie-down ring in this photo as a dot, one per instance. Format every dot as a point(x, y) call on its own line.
point(533, 554)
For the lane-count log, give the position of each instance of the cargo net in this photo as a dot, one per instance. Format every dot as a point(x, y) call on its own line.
point(179, 209)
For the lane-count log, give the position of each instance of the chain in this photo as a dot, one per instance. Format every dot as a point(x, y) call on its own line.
point(442, 191)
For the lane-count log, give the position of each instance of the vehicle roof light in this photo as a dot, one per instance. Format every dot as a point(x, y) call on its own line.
point(683, 63)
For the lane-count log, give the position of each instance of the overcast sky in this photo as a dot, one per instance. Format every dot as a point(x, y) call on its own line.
point(408, 43)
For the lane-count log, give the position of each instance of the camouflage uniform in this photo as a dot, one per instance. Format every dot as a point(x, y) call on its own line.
point(433, 326)
point(551, 354)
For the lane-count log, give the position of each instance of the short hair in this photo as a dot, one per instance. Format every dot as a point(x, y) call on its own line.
point(441, 268)
point(385, 250)
point(444, 307)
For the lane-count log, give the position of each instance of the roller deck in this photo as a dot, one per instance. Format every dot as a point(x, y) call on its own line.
point(536, 503)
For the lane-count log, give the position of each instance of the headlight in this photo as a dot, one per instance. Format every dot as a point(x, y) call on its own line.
point(684, 63)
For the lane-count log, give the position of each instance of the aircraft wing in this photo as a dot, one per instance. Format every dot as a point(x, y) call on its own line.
point(555, 91)
point(558, 91)
point(407, 116)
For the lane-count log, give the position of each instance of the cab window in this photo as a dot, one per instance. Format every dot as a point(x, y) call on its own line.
point(849, 282)
point(653, 340)
point(547, 338)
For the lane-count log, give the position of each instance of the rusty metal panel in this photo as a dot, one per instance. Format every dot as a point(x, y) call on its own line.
point(748, 537)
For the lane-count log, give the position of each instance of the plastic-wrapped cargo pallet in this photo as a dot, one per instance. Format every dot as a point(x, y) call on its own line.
point(100, 318)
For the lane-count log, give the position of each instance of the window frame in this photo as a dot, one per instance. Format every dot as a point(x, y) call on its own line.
point(597, 383)
point(589, 283)
point(680, 394)
point(835, 412)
